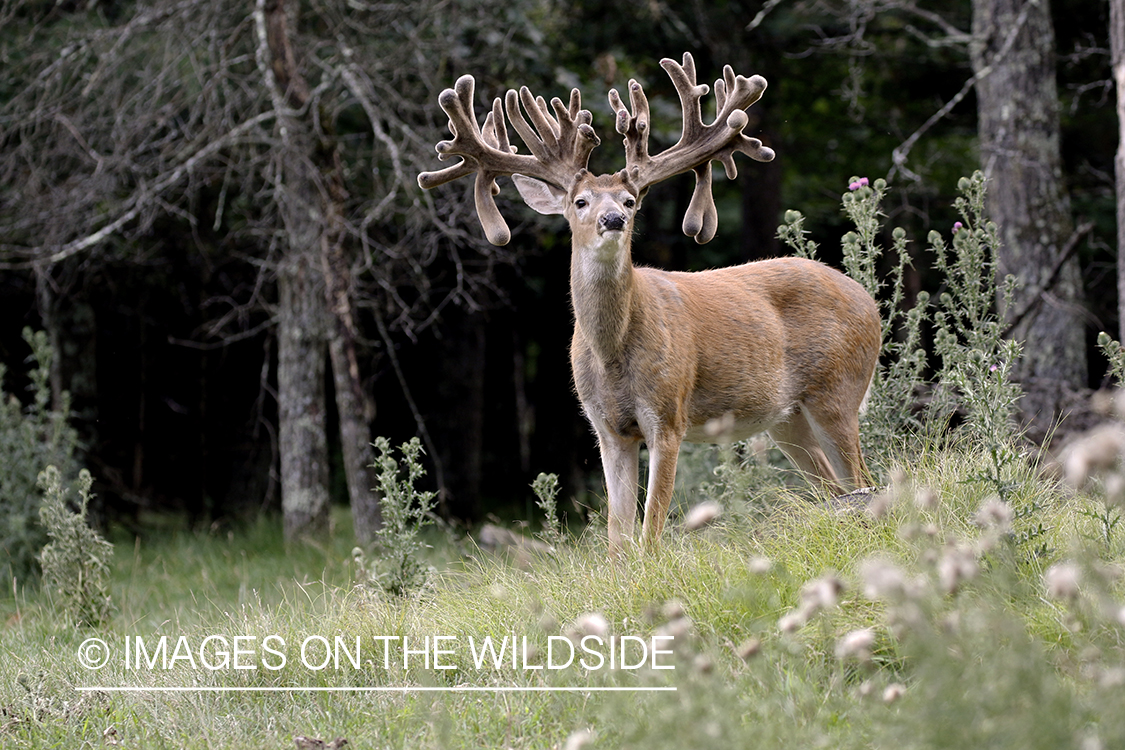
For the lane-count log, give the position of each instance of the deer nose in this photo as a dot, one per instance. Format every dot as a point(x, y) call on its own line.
point(613, 222)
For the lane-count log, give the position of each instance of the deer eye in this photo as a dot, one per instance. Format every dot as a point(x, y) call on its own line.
point(629, 203)
point(580, 203)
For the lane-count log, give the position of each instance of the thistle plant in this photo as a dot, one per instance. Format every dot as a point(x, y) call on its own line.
point(30, 438)
point(546, 489)
point(406, 511)
point(76, 561)
point(976, 359)
point(1113, 352)
point(889, 421)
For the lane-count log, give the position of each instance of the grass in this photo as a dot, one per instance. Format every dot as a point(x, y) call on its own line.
point(998, 662)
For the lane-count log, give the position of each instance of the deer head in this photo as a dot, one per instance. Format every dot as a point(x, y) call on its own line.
point(561, 144)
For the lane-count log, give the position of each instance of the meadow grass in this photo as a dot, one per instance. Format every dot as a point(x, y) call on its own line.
point(920, 621)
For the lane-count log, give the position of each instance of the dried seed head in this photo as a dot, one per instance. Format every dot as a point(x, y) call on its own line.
point(856, 645)
point(881, 503)
point(821, 593)
point(994, 513)
point(882, 580)
point(703, 664)
point(791, 622)
point(893, 692)
point(957, 565)
point(760, 565)
point(1062, 580)
point(579, 739)
point(672, 609)
point(703, 514)
point(591, 623)
point(677, 628)
point(1096, 452)
point(1115, 489)
point(748, 649)
point(926, 498)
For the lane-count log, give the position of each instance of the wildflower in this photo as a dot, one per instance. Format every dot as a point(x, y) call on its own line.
point(957, 227)
point(702, 514)
point(1062, 580)
point(856, 645)
point(857, 184)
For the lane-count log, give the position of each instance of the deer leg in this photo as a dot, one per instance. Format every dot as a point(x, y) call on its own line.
point(619, 462)
point(838, 435)
point(663, 452)
point(797, 439)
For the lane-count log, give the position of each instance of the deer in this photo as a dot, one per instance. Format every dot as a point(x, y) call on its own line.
point(786, 346)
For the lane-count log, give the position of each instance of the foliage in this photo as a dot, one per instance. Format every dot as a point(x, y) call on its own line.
point(30, 438)
point(546, 489)
point(889, 420)
point(406, 511)
point(976, 359)
point(76, 561)
point(1114, 353)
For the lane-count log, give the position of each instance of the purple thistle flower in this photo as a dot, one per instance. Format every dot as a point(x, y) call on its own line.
point(957, 226)
point(861, 182)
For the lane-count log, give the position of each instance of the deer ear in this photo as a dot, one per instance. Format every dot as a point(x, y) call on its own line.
point(544, 198)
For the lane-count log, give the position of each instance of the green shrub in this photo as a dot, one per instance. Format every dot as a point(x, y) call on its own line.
point(76, 561)
point(406, 511)
point(30, 438)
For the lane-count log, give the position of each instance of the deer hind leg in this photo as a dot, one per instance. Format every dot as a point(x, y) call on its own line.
point(798, 440)
point(663, 453)
point(619, 462)
point(837, 432)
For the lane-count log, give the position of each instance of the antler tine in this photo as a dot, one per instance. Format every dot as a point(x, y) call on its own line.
point(559, 147)
point(699, 144)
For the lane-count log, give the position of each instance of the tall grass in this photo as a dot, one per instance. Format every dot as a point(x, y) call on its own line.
point(974, 601)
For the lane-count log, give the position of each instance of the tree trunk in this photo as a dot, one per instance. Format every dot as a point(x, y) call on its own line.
point(355, 411)
point(1013, 52)
point(1117, 53)
point(302, 299)
point(302, 440)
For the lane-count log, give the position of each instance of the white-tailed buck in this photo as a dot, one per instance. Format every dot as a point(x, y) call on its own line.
point(787, 346)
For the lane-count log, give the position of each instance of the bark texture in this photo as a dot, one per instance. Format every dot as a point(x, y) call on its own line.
point(1013, 52)
point(1117, 52)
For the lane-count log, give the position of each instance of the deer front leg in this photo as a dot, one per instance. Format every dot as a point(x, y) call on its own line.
point(619, 462)
point(663, 452)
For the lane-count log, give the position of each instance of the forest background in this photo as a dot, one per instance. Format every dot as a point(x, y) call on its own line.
point(211, 209)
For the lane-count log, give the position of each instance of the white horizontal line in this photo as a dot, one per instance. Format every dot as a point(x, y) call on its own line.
point(404, 689)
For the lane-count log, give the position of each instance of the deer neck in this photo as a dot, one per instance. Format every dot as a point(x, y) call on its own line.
point(603, 292)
